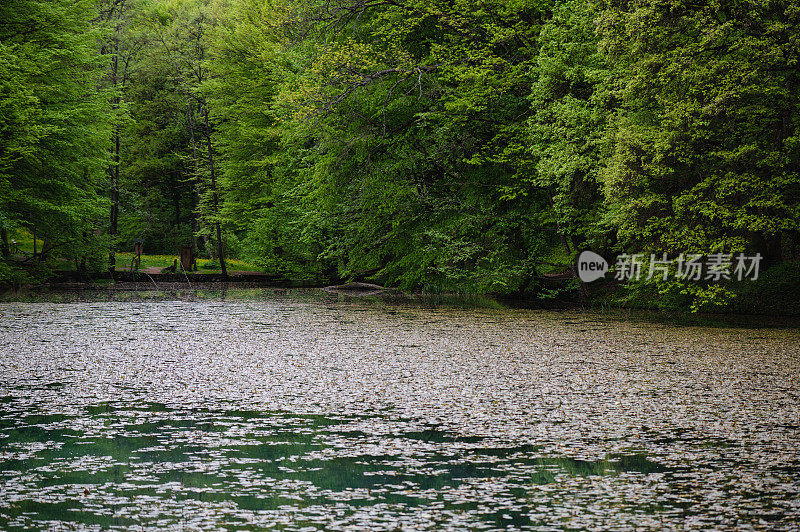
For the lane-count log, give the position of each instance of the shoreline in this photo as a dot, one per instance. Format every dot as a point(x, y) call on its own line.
point(164, 290)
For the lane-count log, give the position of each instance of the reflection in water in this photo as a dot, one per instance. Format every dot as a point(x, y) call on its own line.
point(316, 412)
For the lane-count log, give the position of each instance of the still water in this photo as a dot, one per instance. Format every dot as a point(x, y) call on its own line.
point(313, 411)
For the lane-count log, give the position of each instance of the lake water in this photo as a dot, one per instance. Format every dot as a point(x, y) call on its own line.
point(307, 410)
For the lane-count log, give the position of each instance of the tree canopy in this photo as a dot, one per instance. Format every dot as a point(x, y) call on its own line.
point(468, 145)
point(54, 127)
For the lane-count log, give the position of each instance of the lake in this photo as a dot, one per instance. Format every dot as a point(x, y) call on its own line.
point(304, 410)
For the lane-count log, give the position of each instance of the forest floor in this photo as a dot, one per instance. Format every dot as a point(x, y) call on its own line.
point(152, 270)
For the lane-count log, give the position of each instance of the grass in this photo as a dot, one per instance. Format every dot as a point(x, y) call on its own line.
point(165, 261)
point(24, 241)
point(24, 245)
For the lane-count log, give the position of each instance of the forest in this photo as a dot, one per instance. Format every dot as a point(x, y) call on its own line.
point(439, 145)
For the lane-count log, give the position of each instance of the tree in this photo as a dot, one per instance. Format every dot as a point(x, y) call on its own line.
point(705, 151)
point(181, 28)
point(121, 45)
point(263, 200)
point(158, 184)
point(573, 102)
point(410, 124)
point(53, 130)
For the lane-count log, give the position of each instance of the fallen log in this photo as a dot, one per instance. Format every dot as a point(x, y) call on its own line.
point(356, 287)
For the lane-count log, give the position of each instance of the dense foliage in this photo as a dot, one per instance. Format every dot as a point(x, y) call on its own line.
point(54, 132)
point(471, 145)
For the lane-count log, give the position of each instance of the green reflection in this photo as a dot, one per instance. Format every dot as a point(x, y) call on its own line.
point(250, 461)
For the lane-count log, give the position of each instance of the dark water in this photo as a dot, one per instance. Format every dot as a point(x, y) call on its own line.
point(311, 412)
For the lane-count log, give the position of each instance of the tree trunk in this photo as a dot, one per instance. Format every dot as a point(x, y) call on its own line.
point(581, 285)
point(220, 250)
point(195, 242)
point(114, 215)
point(176, 200)
point(770, 248)
point(4, 243)
point(582, 291)
point(794, 244)
point(199, 219)
point(114, 168)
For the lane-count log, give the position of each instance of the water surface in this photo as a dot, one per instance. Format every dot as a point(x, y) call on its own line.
point(313, 411)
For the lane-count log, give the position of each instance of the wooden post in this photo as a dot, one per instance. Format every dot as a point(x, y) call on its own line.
point(138, 247)
point(187, 258)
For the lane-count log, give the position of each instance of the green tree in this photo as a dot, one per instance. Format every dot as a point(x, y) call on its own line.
point(157, 182)
point(181, 27)
point(412, 124)
point(245, 57)
point(705, 151)
point(53, 127)
point(573, 101)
